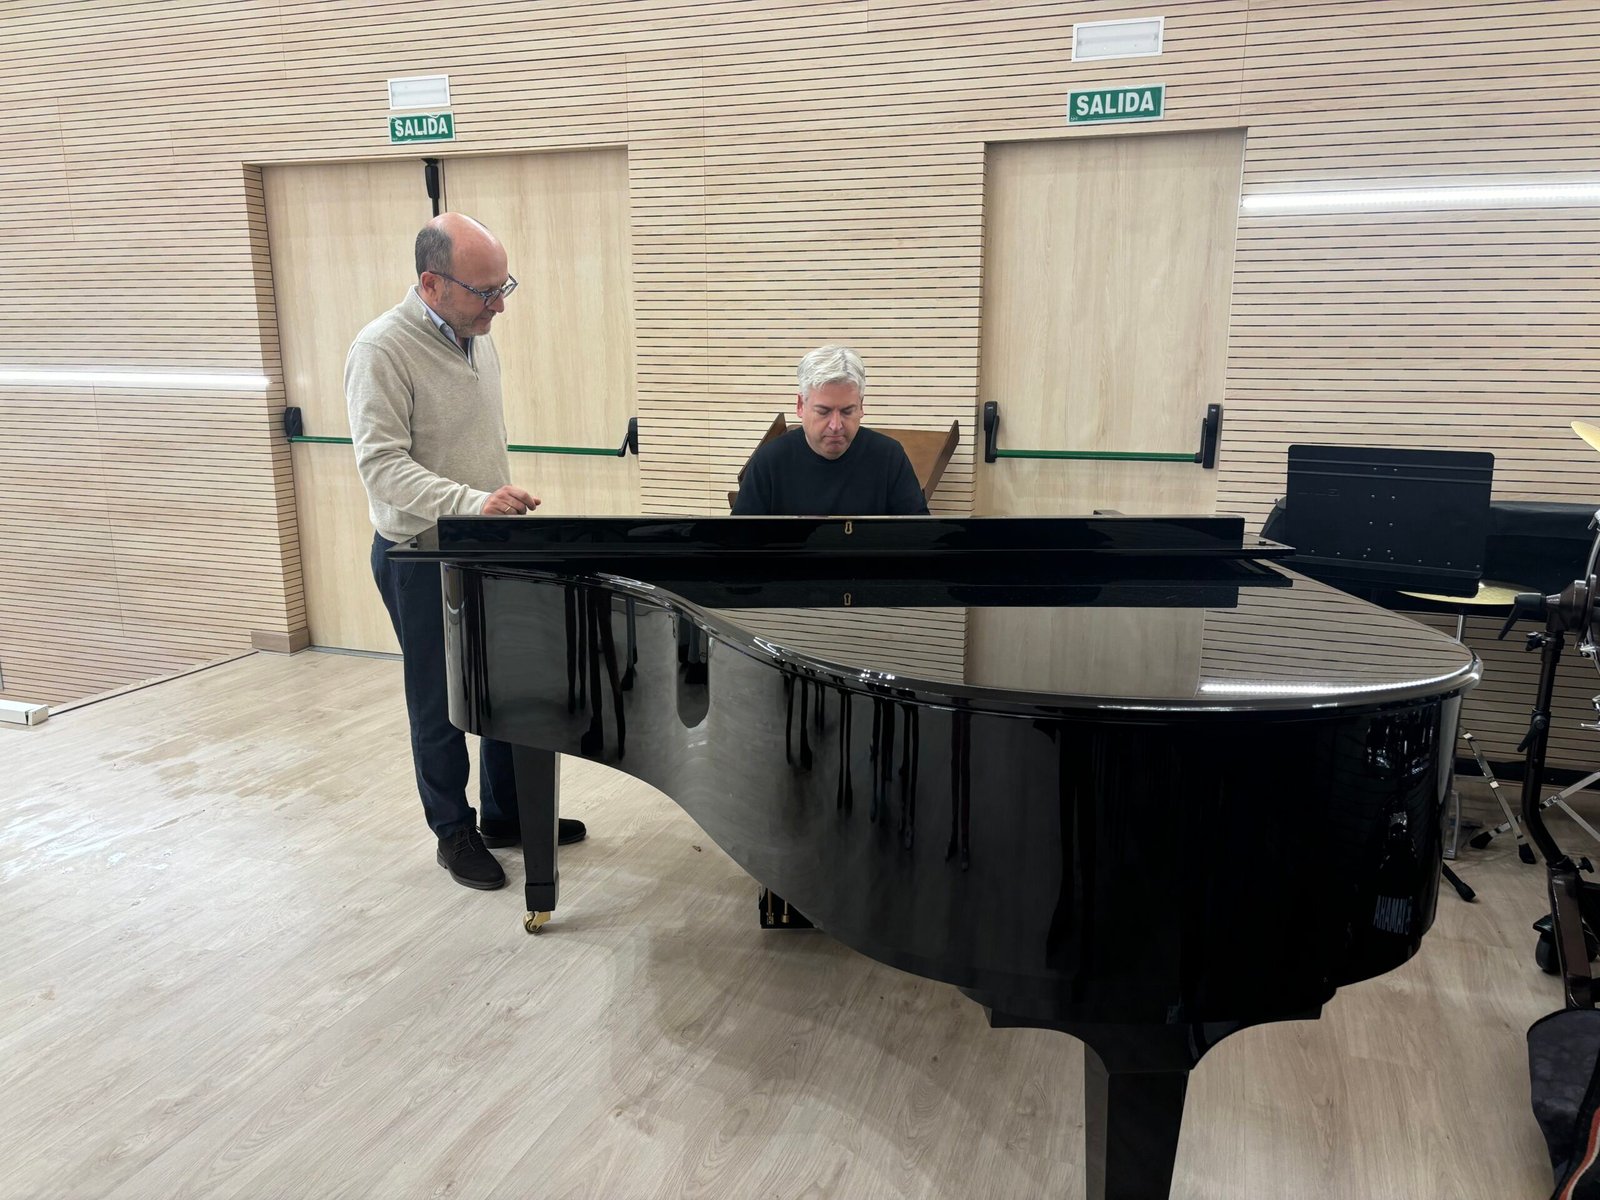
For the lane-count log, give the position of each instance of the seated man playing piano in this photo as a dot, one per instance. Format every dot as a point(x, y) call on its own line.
point(830, 466)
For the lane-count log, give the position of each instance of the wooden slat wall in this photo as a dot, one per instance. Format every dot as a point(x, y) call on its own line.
point(1450, 329)
point(798, 172)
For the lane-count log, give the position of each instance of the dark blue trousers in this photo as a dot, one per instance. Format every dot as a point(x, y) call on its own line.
point(412, 594)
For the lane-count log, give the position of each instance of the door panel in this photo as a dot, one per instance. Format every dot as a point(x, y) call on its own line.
point(1108, 263)
point(1107, 268)
point(566, 338)
point(341, 237)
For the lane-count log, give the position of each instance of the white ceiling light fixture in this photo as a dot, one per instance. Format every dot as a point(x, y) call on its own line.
point(210, 381)
point(420, 91)
point(1140, 38)
point(1506, 195)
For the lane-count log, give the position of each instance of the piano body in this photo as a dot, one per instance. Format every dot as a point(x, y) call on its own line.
point(1181, 791)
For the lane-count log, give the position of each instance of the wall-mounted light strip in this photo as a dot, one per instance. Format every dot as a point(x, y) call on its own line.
point(1509, 195)
point(1139, 37)
point(420, 91)
point(209, 381)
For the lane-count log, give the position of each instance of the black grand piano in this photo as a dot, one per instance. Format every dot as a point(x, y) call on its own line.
point(1165, 791)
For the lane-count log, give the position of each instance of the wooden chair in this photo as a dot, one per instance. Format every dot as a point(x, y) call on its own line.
point(928, 449)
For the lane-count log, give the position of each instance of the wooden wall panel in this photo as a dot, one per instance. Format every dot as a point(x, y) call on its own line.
point(141, 536)
point(1444, 328)
point(286, 565)
point(797, 173)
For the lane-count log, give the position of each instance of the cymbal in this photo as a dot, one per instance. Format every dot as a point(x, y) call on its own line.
point(1492, 593)
point(1589, 433)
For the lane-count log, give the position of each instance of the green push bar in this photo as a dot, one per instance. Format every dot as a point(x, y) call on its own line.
point(1206, 456)
point(600, 450)
point(1122, 455)
point(294, 426)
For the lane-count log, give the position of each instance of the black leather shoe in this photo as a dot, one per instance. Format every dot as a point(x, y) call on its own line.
point(497, 835)
point(500, 836)
point(469, 862)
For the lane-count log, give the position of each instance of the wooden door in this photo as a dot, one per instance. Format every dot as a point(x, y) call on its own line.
point(1108, 265)
point(566, 337)
point(341, 236)
point(1107, 268)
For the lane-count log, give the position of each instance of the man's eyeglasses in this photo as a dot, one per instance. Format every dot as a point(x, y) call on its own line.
point(488, 297)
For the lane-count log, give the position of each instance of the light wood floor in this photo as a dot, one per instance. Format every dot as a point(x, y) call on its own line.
point(232, 969)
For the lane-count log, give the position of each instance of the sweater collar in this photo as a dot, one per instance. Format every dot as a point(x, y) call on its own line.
point(440, 323)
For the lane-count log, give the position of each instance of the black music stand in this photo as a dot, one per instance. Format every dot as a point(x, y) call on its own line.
point(1366, 518)
point(1381, 520)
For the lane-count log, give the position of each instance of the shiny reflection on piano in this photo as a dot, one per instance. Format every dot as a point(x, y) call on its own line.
point(1160, 791)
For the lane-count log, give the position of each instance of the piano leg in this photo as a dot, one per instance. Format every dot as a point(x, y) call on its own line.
point(538, 775)
point(1131, 1123)
point(1135, 1078)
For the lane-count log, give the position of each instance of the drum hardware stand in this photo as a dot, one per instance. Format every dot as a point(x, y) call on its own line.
point(1527, 605)
point(1463, 889)
point(1510, 824)
point(1479, 841)
point(1566, 937)
point(1558, 799)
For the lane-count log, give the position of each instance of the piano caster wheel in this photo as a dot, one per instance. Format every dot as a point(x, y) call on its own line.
point(535, 921)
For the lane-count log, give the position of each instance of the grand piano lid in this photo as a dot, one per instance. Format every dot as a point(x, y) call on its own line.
point(1297, 647)
point(1204, 628)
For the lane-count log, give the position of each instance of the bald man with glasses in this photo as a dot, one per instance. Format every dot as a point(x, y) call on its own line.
point(422, 383)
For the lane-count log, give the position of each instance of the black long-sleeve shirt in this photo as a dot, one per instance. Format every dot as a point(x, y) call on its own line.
point(873, 477)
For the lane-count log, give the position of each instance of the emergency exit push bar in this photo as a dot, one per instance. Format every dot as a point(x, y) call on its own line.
point(294, 427)
point(1206, 456)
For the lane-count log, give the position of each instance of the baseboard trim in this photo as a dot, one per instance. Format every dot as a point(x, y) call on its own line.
point(388, 655)
point(140, 684)
point(281, 643)
point(20, 712)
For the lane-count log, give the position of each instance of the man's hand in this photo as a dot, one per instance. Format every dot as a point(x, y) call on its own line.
point(510, 500)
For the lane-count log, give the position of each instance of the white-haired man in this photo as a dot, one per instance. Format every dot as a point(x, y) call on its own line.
point(831, 465)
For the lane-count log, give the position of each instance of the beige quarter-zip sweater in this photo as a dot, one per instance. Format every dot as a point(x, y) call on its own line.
point(426, 419)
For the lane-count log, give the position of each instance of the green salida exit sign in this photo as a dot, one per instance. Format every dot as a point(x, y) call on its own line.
point(1144, 103)
point(422, 127)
